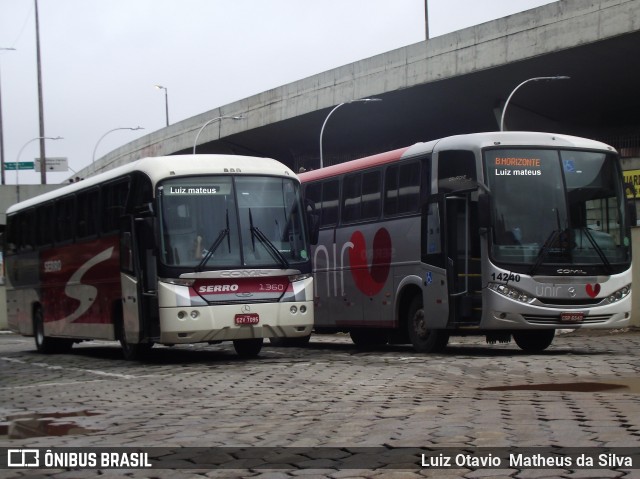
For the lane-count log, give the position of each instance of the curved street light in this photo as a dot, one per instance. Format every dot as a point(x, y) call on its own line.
point(219, 118)
point(18, 160)
point(93, 158)
point(331, 112)
point(504, 108)
point(166, 100)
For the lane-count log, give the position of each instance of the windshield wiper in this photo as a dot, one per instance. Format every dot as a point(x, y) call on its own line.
point(270, 247)
point(596, 246)
point(543, 252)
point(214, 246)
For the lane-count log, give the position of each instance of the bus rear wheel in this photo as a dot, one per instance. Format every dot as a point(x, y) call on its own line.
point(534, 341)
point(423, 339)
point(248, 348)
point(44, 344)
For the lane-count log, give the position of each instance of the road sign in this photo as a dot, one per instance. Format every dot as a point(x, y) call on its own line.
point(23, 165)
point(54, 164)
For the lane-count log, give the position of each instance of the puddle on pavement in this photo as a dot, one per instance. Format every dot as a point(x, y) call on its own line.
point(27, 424)
point(616, 385)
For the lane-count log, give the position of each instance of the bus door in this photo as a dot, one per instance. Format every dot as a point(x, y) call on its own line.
point(457, 253)
point(140, 316)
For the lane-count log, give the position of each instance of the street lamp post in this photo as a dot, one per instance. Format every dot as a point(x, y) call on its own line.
point(219, 118)
point(42, 165)
point(166, 101)
point(93, 158)
point(504, 109)
point(331, 113)
point(2, 179)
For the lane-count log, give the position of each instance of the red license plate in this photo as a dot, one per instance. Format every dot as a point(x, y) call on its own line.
point(250, 318)
point(571, 317)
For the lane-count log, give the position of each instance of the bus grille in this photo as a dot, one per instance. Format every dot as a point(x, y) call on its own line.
point(555, 319)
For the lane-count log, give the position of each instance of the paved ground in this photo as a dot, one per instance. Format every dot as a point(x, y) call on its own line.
point(583, 392)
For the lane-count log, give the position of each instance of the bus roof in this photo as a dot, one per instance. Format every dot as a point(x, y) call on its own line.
point(354, 165)
point(472, 141)
point(161, 167)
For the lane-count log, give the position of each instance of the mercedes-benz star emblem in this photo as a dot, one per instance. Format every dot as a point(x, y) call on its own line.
point(246, 308)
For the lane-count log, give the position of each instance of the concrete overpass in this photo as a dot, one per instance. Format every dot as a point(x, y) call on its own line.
point(451, 84)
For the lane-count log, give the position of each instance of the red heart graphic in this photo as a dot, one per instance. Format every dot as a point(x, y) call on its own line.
point(370, 280)
point(593, 291)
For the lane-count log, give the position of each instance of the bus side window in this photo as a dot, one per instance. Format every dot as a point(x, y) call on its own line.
point(330, 199)
point(87, 214)
point(455, 164)
point(351, 198)
point(114, 202)
point(409, 187)
point(371, 195)
point(45, 224)
point(65, 221)
point(391, 191)
point(402, 189)
point(26, 221)
point(11, 235)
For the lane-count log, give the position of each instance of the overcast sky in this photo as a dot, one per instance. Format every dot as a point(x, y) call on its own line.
point(102, 58)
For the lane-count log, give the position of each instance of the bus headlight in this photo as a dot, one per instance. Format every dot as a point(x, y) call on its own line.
point(620, 294)
point(510, 292)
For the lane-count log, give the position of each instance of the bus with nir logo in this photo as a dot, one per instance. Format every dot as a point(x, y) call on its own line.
point(510, 235)
point(167, 250)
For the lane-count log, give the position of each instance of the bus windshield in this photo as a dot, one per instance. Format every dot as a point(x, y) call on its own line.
point(557, 207)
point(222, 222)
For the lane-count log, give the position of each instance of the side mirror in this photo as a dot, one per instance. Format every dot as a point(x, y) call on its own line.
point(484, 210)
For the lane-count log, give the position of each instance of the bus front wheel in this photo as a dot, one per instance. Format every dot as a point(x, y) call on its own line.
point(534, 341)
point(44, 344)
point(424, 339)
point(248, 348)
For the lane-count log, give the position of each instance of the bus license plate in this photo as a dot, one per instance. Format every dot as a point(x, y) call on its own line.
point(571, 317)
point(250, 318)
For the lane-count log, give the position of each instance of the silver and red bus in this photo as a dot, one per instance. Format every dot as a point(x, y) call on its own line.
point(167, 250)
point(512, 235)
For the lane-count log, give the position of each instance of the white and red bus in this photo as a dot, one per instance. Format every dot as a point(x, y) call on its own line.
point(168, 250)
point(508, 235)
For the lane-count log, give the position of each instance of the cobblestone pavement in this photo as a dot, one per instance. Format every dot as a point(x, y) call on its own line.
point(329, 394)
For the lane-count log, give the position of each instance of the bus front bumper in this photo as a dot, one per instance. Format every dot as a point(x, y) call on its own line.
point(189, 324)
point(504, 313)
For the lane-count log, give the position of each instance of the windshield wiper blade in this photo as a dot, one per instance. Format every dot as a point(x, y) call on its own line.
point(271, 248)
point(214, 246)
point(543, 252)
point(212, 249)
point(596, 246)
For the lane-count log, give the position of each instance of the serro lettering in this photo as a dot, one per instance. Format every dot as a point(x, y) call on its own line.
point(218, 288)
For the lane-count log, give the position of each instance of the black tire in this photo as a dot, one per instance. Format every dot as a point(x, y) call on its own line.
point(130, 351)
point(134, 352)
point(45, 345)
point(248, 348)
point(423, 339)
point(369, 338)
point(534, 341)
